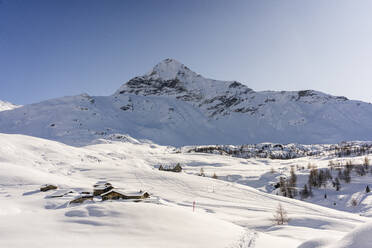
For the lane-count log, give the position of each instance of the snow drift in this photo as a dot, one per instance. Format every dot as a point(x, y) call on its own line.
point(360, 237)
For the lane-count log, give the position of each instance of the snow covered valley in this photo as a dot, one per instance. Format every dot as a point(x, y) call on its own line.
point(184, 209)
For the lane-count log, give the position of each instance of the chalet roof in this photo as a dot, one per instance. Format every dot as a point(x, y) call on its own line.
point(62, 192)
point(124, 192)
point(102, 185)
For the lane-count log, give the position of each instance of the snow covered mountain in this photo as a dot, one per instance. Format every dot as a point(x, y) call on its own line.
point(174, 105)
point(7, 106)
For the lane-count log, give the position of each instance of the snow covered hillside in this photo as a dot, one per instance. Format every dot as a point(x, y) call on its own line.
point(7, 106)
point(172, 105)
point(227, 214)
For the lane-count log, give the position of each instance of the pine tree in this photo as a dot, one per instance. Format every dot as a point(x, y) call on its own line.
point(349, 165)
point(310, 191)
point(292, 183)
point(337, 184)
point(305, 192)
point(328, 174)
point(313, 178)
point(293, 178)
point(321, 180)
point(215, 176)
point(346, 176)
point(367, 189)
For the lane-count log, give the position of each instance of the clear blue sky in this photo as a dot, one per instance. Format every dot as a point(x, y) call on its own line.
point(55, 48)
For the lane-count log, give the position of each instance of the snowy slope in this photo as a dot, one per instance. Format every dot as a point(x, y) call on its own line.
point(7, 106)
point(227, 214)
point(360, 237)
point(173, 105)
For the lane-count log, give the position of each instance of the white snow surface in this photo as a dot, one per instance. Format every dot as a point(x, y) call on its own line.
point(172, 105)
point(228, 213)
point(359, 237)
point(7, 106)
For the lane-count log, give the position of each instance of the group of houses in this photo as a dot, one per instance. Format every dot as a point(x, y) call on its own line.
point(102, 191)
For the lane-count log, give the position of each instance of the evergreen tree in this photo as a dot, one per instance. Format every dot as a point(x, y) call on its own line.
point(367, 189)
point(305, 192)
point(337, 184)
point(346, 176)
point(313, 178)
point(292, 183)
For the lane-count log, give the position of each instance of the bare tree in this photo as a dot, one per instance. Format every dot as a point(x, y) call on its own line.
point(366, 163)
point(280, 215)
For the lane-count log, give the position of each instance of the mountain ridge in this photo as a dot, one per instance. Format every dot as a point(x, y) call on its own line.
point(172, 105)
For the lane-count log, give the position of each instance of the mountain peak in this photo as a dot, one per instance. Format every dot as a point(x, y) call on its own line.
point(170, 69)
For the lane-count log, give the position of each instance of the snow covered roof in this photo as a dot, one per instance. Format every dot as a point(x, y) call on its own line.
point(124, 192)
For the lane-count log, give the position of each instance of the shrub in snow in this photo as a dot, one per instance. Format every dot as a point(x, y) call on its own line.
point(354, 202)
point(202, 174)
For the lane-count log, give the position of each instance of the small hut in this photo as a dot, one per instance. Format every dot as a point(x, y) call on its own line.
point(117, 195)
point(177, 168)
point(47, 187)
point(82, 199)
